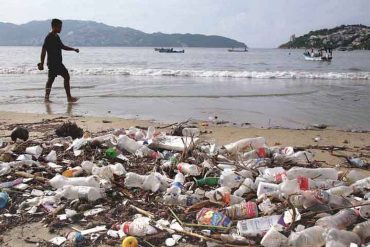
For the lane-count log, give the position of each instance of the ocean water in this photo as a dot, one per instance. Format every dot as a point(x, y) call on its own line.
point(264, 87)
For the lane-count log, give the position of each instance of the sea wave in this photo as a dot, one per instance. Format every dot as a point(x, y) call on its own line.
point(121, 71)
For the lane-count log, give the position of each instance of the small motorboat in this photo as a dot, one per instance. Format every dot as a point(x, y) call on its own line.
point(238, 49)
point(168, 50)
point(321, 55)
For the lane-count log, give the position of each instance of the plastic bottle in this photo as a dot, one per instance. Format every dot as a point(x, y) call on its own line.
point(338, 238)
point(320, 198)
point(356, 174)
point(139, 227)
point(151, 182)
point(210, 181)
point(244, 210)
point(35, 151)
point(362, 230)
point(150, 133)
point(4, 198)
point(222, 195)
point(59, 181)
point(361, 185)
point(311, 236)
point(245, 145)
point(246, 187)
point(274, 174)
point(341, 190)
point(111, 153)
point(289, 187)
point(273, 238)
point(191, 132)
point(262, 152)
point(313, 173)
point(73, 172)
point(176, 186)
point(230, 179)
point(81, 192)
point(52, 156)
point(257, 226)
point(340, 220)
point(4, 169)
point(267, 189)
point(12, 183)
point(131, 146)
point(189, 169)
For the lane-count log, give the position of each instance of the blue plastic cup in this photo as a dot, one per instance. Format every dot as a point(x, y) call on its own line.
point(4, 198)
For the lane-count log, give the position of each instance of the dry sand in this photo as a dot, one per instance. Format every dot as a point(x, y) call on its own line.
point(218, 134)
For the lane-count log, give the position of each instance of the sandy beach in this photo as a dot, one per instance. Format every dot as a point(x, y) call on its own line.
point(43, 125)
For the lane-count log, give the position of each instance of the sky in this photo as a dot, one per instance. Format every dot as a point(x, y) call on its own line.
point(258, 23)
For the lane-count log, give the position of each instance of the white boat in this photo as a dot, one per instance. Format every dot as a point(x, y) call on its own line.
point(238, 50)
point(309, 58)
point(318, 56)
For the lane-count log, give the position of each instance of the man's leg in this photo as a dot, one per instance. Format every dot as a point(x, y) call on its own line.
point(48, 86)
point(67, 87)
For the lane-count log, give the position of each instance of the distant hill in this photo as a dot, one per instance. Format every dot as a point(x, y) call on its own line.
point(345, 36)
point(90, 33)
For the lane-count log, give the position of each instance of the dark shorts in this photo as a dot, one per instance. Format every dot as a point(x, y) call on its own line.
point(55, 70)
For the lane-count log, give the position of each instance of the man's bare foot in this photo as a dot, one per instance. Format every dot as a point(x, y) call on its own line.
point(46, 100)
point(72, 100)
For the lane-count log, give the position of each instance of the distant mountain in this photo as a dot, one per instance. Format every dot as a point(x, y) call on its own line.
point(344, 37)
point(90, 33)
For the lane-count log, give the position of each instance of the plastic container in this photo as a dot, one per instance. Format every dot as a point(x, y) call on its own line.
point(128, 144)
point(209, 181)
point(246, 187)
point(59, 181)
point(244, 210)
point(222, 195)
point(246, 144)
point(189, 169)
point(274, 174)
point(312, 236)
point(257, 226)
point(267, 189)
point(335, 237)
point(139, 227)
point(230, 179)
point(341, 190)
point(4, 198)
point(176, 186)
point(81, 192)
point(35, 151)
point(313, 173)
point(341, 220)
point(152, 182)
point(262, 152)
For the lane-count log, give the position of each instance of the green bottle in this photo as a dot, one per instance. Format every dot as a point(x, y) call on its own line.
point(111, 153)
point(211, 181)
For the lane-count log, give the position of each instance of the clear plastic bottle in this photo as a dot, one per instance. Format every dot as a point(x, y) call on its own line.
point(81, 192)
point(222, 195)
point(59, 181)
point(139, 227)
point(189, 169)
point(318, 198)
point(245, 145)
point(241, 211)
point(356, 174)
point(262, 152)
point(313, 173)
point(361, 185)
point(340, 220)
point(362, 230)
point(257, 226)
point(246, 187)
point(274, 174)
point(341, 190)
point(289, 187)
point(338, 238)
point(230, 179)
point(128, 144)
point(176, 186)
point(312, 236)
point(267, 189)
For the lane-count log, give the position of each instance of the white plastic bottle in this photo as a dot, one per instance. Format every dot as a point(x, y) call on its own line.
point(189, 169)
point(312, 236)
point(59, 181)
point(243, 210)
point(274, 174)
point(341, 220)
point(262, 152)
point(361, 185)
point(153, 181)
point(257, 226)
point(313, 173)
point(246, 187)
point(81, 192)
point(338, 238)
point(245, 145)
point(128, 144)
point(230, 179)
point(341, 190)
point(267, 189)
point(362, 230)
point(289, 187)
point(176, 186)
point(139, 227)
point(222, 195)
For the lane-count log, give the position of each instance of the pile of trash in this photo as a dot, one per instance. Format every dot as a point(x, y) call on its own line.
point(145, 187)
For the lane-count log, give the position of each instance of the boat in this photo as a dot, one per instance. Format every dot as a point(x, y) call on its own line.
point(237, 49)
point(321, 55)
point(168, 50)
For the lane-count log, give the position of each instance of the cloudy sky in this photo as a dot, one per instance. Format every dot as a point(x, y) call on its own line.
point(258, 23)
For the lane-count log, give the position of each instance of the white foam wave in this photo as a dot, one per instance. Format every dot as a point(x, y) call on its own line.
point(198, 73)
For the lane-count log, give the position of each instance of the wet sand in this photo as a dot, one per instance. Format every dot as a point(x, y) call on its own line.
point(219, 134)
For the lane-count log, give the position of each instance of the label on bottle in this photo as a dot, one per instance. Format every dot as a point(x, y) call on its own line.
point(304, 183)
point(279, 177)
point(251, 209)
point(179, 167)
point(226, 198)
point(126, 227)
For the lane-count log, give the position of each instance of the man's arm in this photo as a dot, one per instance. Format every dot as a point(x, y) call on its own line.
point(67, 48)
point(43, 54)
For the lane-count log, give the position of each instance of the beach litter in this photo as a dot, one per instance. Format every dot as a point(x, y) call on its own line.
point(146, 187)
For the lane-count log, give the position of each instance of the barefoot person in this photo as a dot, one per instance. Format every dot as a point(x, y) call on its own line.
point(53, 46)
